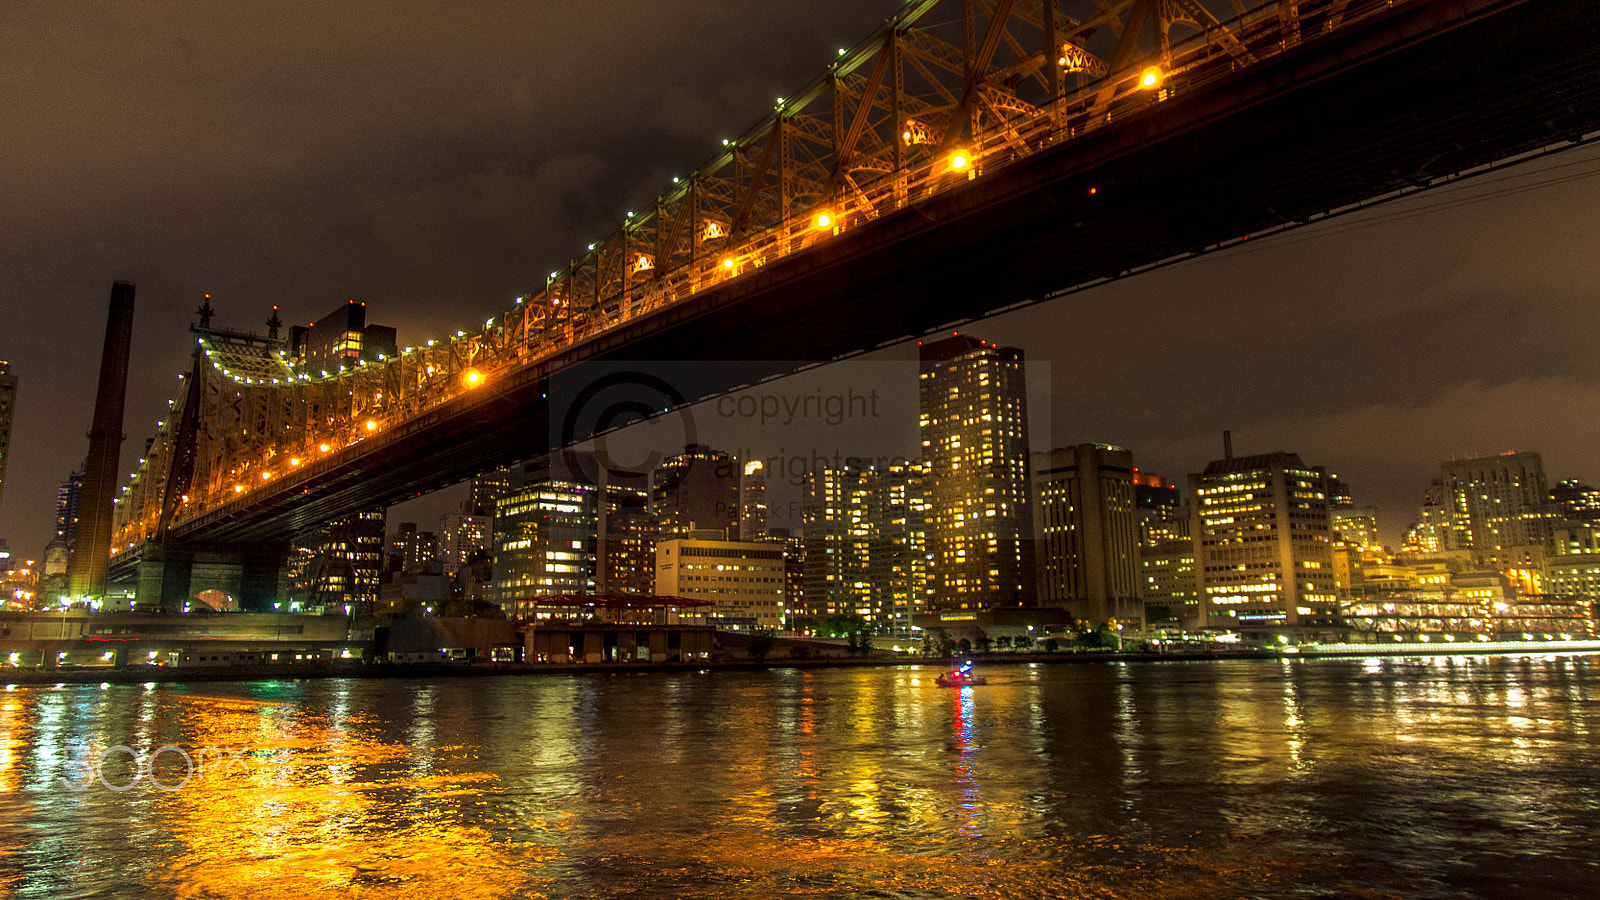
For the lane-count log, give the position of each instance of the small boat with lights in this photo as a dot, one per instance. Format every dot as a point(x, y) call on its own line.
point(960, 676)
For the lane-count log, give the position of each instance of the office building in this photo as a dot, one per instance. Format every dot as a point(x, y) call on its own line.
point(973, 398)
point(561, 534)
point(1089, 557)
point(1263, 544)
point(696, 490)
point(340, 563)
point(1574, 568)
point(485, 491)
point(745, 579)
point(1170, 586)
point(8, 405)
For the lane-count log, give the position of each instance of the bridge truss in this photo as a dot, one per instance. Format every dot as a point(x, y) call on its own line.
point(947, 92)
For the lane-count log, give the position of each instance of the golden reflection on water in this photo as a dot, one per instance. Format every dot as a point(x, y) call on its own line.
point(314, 811)
point(1064, 781)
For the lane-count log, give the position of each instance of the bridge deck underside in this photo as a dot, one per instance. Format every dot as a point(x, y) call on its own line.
point(1426, 92)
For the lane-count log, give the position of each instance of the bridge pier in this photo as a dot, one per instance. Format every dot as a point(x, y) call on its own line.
point(252, 577)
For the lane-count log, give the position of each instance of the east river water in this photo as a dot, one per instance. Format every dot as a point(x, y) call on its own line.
point(1417, 777)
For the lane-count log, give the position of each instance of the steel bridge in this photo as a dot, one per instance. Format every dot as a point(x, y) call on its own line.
point(972, 156)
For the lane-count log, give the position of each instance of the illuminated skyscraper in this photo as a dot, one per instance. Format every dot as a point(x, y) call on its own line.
point(8, 401)
point(974, 427)
point(837, 536)
point(866, 544)
point(1263, 544)
point(753, 502)
point(1090, 561)
point(561, 534)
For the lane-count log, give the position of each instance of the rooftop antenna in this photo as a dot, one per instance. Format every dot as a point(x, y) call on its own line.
point(1227, 445)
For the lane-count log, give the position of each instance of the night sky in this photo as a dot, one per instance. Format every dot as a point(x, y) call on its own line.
point(436, 160)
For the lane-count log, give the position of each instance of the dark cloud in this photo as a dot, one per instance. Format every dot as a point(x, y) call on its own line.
point(437, 159)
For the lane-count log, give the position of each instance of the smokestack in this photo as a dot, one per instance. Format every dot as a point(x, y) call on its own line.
point(92, 554)
point(1227, 445)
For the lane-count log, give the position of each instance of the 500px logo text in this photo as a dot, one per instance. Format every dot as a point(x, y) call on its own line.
point(166, 768)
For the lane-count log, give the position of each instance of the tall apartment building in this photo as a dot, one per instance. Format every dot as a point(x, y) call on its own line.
point(1090, 550)
point(745, 579)
point(1263, 548)
point(8, 405)
point(696, 490)
point(1496, 502)
point(413, 552)
point(485, 491)
point(460, 537)
point(753, 501)
point(865, 541)
point(973, 398)
point(833, 510)
point(794, 569)
point(69, 501)
point(1431, 533)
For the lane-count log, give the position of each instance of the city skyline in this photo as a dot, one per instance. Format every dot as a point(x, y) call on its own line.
point(1464, 342)
point(958, 448)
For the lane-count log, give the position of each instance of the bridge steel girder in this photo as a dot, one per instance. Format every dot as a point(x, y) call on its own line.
point(1228, 149)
